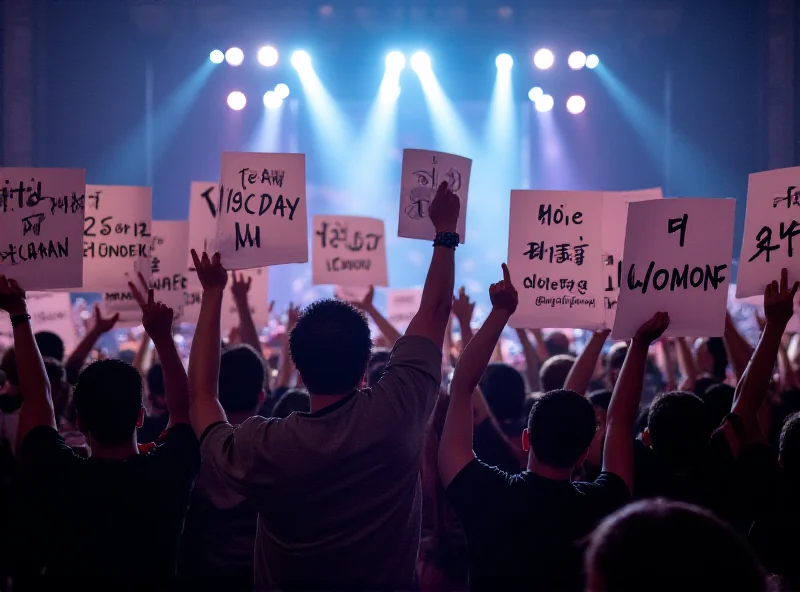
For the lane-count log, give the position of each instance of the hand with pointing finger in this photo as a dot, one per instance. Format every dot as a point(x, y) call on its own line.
point(503, 294)
point(779, 300)
point(210, 271)
point(157, 317)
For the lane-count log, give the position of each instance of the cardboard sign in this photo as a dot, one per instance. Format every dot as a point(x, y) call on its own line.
point(771, 226)
point(116, 237)
point(50, 311)
point(351, 293)
point(677, 259)
point(348, 251)
point(403, 305)
point(423, 172)
point(258, 298)
point(261, 209)
point(204, 197)
point(41, 227)
point(554, 250)
point(615, 215)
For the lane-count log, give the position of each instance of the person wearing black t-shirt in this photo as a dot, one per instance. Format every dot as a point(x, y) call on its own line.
point(112, 521)
point(522, 529)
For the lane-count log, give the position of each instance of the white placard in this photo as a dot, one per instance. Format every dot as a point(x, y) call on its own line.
point(615, 214)
point(203, 202)
point(41, 227)
point(50, 311)
point(257, 297)
point(348, 251)
point(351, 293)
point(116, 238)
point(403, 304)
point(423, 172)
point(771, 227)
point(262, 217)
point(678, 260)
point(554, 255)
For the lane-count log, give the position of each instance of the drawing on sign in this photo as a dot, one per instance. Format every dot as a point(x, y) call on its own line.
point(428, 181)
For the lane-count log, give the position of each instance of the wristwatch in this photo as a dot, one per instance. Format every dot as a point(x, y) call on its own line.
point(446, 239)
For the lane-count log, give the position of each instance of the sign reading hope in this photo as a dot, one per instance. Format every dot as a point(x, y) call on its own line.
point(771, 223)
point(677, 259)
point(116, 237)
point(41, 227)
point(554, 254)
point(261, 210)
point(348, 251)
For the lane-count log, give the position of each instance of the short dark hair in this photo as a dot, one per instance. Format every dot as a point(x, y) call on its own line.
point(331, 345)
point(556, 343)
point(600, 398)
point(503, 388)
point(155, 380)
point(718, 399)
point(703, 383)
point(292, 400)
point(616, 356)
point(241, 379)
point(553, 373)
point(665, 546)
point(561, 427)
point(50, 345)
point(789, 445)
point(108, 400)
point(716, 347)
point(678, 426)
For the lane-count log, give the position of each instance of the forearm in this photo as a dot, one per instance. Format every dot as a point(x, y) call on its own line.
point(788, 376)
point(247, 327)
point(77, 358)
point(532, 361)
point(686, 362)
point(541, 348)
point(141, 354)
point(754, 384)
point(466, 331)
point(624, 405)
point(204, 364)
point(475, 357)
point(388, 330)
point(582, 371)
point(669, 366)
point(176, 382)
point(437, 297)
point(34, 386)
point(286, 368)
point(736, 346)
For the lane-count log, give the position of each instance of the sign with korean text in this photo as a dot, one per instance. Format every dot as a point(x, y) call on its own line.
point(348, 251)
point(50, 311)
point(423, 172)
point(117, 236)
point(677, 260)
point(261, 210)
point(771, 225)
point(41, 227)
point(615, 215)
point(554, 254)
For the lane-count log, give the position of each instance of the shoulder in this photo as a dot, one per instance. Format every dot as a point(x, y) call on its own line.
point(479, 479)
point(177, 445)
point(608, 486)
point(43, 444)
point(253, 429)
point(416, 352)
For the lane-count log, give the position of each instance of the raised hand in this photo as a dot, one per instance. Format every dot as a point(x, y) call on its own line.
point(12, 297)
point(240, 287)
point(365, 303)
point(779, 300)
point(463, 306)
point(210, 271)
point(157, 317)
point(652, 329)
point(103, 324)
point(292, 314)
point(445, 209)
point(503, 294)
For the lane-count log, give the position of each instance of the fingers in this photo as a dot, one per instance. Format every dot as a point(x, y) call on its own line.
point(137, 296)
point(114, 319)
point(794, 289)
point(97, 312)
point(506, 275)
point(151, 299)
point(784, 280)
point(249, 281)
point(216, 259)
point(442, 190)
point(196, 259)
point(462, 293)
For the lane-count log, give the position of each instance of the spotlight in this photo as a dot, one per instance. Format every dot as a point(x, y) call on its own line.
point(504, 62)
point(543, 59)
point(237, 100)
point(390, 93)
point(535, 93)
point(301, 60)
point(576, 104)
point(217, 57)
point(282, 90)
point(234, 56)
point(576, 60)
point(268, 56)
point(420, 61)
point(592, 61)
point(544, 103)
point(395, 61)
point(272, 100)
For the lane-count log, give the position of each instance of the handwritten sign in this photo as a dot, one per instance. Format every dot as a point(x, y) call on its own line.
point(403, 305)
point(203, 201)
point(257, 297)
point(615, 214)
point(41, 227)
point(677, 259)
point(351, 293)
point(50, 311)
point(771, 223)
point(554, 250)
point(261, 210)
point(348, 251)
point(116, 237)
point(423, 172)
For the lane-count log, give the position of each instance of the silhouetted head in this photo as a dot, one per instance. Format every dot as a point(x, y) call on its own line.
point(241, 379)
point(614, 360)
point(503, 388)
point(50, 345)
point(331, 346)
point(711, 357)
point(677, 427)
point(789, 447)
point(155, 388)
point(561, 427)
point(718, 399)
point(663, 546)
point(108, 401)
point(293, 400)
point(557, 343)
point(554, 371)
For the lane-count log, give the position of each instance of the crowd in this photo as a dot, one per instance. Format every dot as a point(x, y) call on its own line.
point(639, 466)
